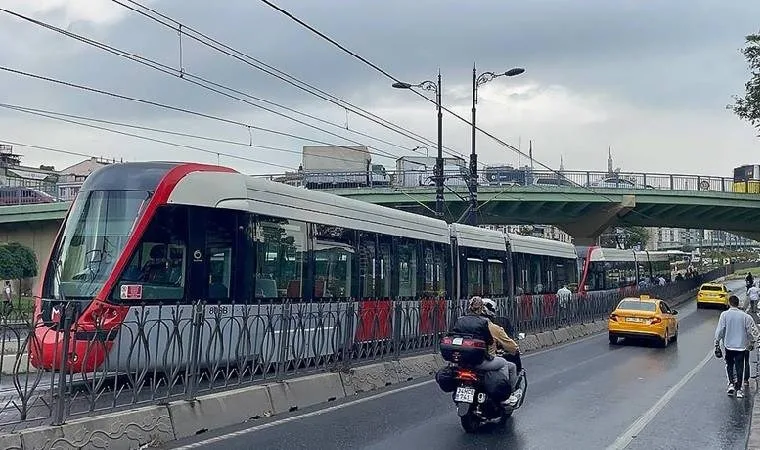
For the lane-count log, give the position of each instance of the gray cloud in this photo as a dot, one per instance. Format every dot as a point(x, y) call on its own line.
point(664, 57)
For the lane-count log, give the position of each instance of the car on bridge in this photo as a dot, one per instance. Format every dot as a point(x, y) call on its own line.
point(713, 294)
point(643, 318)
point(619, 183)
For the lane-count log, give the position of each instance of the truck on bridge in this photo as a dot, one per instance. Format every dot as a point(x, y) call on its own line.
point(332, 166)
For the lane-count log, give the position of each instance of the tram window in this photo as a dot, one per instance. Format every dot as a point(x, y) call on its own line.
point(441, 270)
point(385, 270)
point(220, 240)
point(280, 255)
point(367, 260)
point(159, 262)
point(566, 272)
point(334, 257)
point(407, 269)
point(536, 273)
point(428, 289)
point(495, 277)
point(474, 277)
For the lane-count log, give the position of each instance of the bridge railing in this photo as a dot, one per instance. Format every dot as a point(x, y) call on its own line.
point(170, 352)
point(458, 179)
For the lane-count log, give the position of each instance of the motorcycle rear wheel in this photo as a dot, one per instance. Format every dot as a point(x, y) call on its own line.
point(470, 423)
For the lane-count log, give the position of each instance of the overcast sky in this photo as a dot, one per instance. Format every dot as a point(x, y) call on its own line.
point(650, 79)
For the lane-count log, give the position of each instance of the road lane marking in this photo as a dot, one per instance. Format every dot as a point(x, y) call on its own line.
point(625, 439)
point(301, 416)
point(377, 396)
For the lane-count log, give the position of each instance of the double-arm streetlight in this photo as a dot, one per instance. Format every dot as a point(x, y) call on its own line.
point(431, 86)
point(479, 80)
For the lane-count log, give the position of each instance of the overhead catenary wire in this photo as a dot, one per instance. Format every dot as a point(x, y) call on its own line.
point(64, 117)
point(184, 29)
point(147, 138)
point(390, 76)
point(394, 79)
point(218, 88)
point(247, 126)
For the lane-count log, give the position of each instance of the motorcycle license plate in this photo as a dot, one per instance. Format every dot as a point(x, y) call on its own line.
point(464, 394)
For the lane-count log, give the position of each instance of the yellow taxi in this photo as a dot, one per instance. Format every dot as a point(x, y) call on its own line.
point(713, 294)
point(643, 317)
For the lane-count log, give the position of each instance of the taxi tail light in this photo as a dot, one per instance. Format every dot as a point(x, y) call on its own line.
point(614, 317)
point(655, 321)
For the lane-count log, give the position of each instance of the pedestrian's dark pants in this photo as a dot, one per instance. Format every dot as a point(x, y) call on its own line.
point(735, 366)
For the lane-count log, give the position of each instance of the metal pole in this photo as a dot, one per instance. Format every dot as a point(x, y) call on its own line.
point(439, 159)
point(473, 182)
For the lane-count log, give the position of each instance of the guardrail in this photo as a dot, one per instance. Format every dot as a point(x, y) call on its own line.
point(172, 352)
point(412, 179)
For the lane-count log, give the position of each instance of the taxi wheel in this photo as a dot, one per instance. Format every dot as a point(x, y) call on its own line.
point(699, 305)
point(613, 339)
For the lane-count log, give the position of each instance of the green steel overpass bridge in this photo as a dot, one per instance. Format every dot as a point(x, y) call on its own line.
point(582, 207)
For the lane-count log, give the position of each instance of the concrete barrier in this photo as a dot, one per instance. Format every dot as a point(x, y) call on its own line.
point(561, 335)
point(125, 430)
point(219, 410)
point(369, 378)
point(546, 339)
point(298, 393)
point(417, 367)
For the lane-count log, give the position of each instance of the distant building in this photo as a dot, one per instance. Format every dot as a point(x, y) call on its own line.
point(541, 231)
point(13, 174)
point(70, 179)
point(688, 239)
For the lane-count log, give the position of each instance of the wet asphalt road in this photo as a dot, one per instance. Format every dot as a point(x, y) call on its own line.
point(585, 395)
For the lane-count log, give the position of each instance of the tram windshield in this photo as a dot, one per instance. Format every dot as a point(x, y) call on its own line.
point(93, 238)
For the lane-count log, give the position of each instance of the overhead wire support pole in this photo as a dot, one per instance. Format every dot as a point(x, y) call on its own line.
point(439, 159)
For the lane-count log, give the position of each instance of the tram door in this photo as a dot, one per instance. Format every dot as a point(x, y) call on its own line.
point(747, 179)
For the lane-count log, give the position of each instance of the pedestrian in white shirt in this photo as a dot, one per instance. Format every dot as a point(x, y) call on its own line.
point(753, 295)
point(738, 332)
point(564, 295)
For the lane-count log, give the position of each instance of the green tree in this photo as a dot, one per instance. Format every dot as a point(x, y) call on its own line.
point(17, 262)
point(625, 237)
point(748, 107)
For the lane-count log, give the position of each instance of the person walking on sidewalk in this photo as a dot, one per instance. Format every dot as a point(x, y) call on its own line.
point(753, 295)
point(738, 332)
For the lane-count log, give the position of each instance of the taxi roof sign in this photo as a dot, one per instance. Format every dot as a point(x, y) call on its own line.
point(644, 297)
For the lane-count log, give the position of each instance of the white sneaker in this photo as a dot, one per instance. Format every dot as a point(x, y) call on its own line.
point(731, 390)
point(739, 394)
point(514, 398)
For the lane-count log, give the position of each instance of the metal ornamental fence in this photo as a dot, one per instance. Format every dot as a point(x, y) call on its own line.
point(174, 352)
point(411, 179)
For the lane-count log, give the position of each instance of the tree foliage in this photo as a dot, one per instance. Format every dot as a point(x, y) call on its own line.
point(625, 237)
point(17, 262)
point(748, 106)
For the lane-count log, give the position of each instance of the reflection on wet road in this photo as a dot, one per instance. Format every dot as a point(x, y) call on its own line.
point(584, 395)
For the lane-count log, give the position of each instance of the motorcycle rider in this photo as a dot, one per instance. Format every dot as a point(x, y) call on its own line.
point(490, 309)
point(476, 323)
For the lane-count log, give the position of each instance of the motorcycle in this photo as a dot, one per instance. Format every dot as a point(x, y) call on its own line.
point(475, 407)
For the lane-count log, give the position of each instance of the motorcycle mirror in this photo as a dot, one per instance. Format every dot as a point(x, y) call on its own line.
point(520, 336)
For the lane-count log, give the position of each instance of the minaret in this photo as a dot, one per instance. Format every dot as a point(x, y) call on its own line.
point(561, 164)
point(609, 161)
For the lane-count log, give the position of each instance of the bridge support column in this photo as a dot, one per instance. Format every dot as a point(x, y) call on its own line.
point(586, 231)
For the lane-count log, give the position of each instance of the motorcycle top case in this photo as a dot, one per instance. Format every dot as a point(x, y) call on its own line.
point(463, 350)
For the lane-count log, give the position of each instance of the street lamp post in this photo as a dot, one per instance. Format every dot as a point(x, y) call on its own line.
point(477, 81)
point(438, 175)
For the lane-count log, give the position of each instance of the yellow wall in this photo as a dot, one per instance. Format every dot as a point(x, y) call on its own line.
point(38, 236)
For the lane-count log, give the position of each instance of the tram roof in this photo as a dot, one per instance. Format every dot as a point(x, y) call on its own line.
point(243, 192)
point(469, 236)
point(539, 246)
